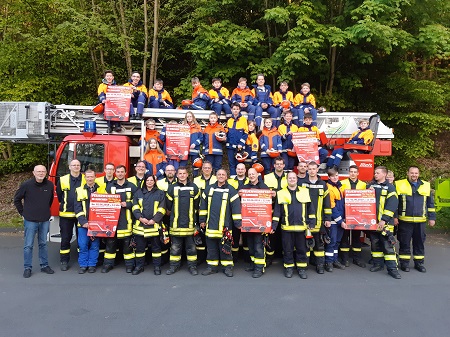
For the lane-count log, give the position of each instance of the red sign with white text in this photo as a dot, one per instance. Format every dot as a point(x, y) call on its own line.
point(306, 145)
point(117, 105)
point(104, 211)
point(178, 141)
point(360, 209)
point(256, 210)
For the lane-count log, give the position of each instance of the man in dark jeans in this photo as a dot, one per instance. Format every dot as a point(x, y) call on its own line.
point(37, 196)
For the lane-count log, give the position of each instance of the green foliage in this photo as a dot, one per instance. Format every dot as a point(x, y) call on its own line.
point(387, 56)
point(23, 157)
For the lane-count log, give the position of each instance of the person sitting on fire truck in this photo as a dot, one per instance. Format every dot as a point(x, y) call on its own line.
point(196, 139)
point(138, 96)
point(159, 98)
point(108, 79)
point(364, 136)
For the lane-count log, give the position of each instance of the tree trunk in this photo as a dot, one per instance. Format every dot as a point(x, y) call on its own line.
point(154, 63)
point(144, 65)
point(126, 45)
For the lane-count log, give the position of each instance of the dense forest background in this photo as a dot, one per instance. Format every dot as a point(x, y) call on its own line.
point(385, 56)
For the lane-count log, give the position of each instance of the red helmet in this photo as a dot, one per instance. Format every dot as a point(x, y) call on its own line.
point(273, 153)
point(241, 156)
point(285, 104)
point(198, 162)
point(292, 153)
point(186, 102)
point(258, 167)
point(221, 136)
point(98, 109)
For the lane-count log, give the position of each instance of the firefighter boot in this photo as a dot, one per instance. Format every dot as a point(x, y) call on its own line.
point(172, 269)
point(418, 265)
point(338, 265)
point(359, 263)
point(404, 266)
point(395, 274)
point(376, 267)
point(228, 271)
point(193, 270)
point(344, 258)
point(329, 267)
point(209, 271)
point(319, 269)
point(257, 273)
point(288, 272)
point(302, 274)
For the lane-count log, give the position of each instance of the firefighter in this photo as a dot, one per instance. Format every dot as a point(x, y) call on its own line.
point(302, 175)
point(65, 190)
point(295, 212)
point(124, 232)
point(138, 179)
point(88, 246)
point(320, 198)
point(148, 210)
point(275, 180)
point(337, 221)
point(102, 183)
point(220, 210)
point(163, 184)
point(237, 182)
point(254, 240)
point(382, 239)
point(415, 205)
point(107, 179)
point(182, 202)
point(352, 183)
point(202, 182)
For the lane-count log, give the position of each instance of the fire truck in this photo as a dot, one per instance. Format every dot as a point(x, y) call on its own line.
point(82, 134)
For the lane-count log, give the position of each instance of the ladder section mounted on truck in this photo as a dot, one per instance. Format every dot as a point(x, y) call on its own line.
point(40, 122)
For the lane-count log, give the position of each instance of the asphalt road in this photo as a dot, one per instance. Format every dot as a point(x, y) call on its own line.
point(351, 302)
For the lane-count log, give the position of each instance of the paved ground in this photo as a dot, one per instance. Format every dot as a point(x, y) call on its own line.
point(346, 303)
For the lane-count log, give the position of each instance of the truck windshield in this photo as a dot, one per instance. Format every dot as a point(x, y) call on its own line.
point(90, 156)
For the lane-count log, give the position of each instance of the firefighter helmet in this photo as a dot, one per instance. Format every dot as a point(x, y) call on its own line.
point(241, 156)
point(273, 153)
point(98, 109)
point(221, 136)
point(292, 153)
point(186, 102)
point(285, 104)
point(198, 162)
point(258, 167)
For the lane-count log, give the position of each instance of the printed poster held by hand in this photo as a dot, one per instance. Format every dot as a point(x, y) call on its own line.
point(306, 146)
point(104, 211)
point(117, 105)
point(178, 141)
point(360, 209)
point(256, 209)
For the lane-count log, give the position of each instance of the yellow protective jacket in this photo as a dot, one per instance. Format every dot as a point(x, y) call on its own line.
point(294, 210)
point(279, 97)
point(415, 203)
point(275, 182)
point(182, 201)
point(126, 192)
point(82, 203)
point(347, 184)
point(307, 99)
point(220, 207)
point(148, 204)
point(65, 190)
point(386, 200)
point(320, 198)
point(102, 183)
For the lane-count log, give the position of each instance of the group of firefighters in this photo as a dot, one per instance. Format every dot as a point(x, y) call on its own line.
point(204, 216)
